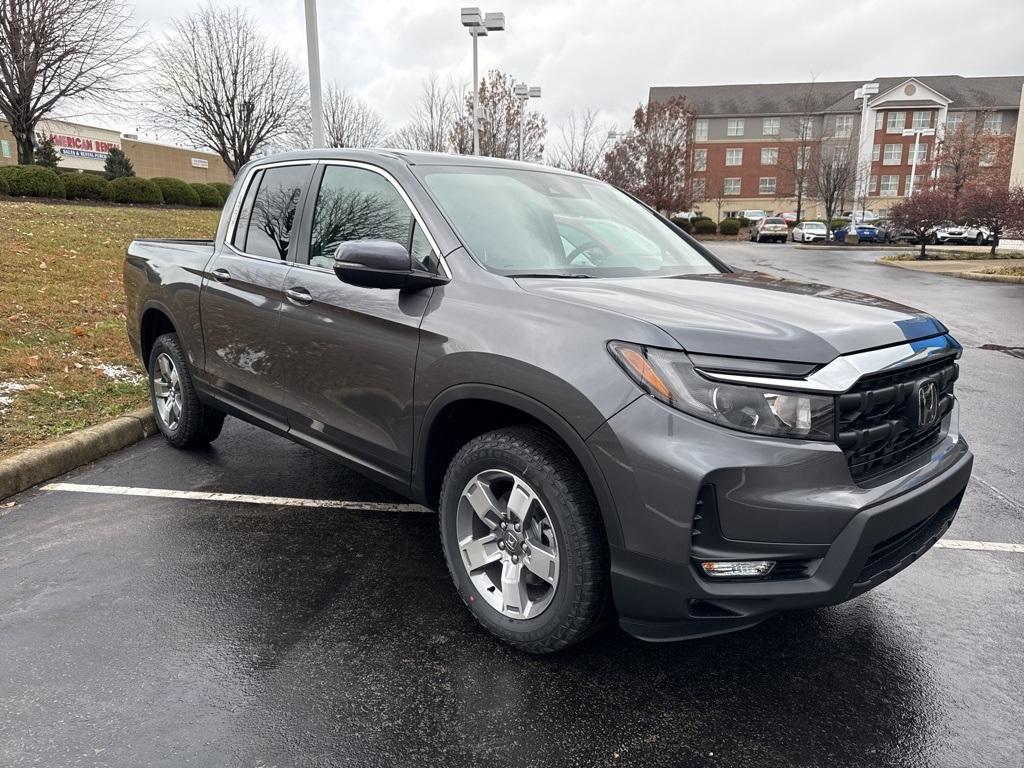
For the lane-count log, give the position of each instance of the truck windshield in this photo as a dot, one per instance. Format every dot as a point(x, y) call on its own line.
point(536, 223)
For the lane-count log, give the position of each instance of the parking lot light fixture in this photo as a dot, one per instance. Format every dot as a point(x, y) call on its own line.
point(524, 93)
point(917, 133)
point(479, 24)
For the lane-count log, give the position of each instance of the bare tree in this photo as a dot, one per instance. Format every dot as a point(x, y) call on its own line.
point(55, 52)
point(654, 161)
point(219, 83)
point(499, 129)
point(584, 143)
point(969, 154)
point(350, 122)
point(432, 120)
point(922, 212)
point(997, 208)
point(832, 172)
point(796, 154)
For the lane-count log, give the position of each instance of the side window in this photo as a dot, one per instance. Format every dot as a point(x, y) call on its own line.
point(242, 225)
point(272, 208)
point(357, 204)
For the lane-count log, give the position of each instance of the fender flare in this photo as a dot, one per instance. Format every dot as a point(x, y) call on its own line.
point(539, 411)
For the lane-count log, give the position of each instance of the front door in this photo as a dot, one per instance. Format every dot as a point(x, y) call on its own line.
point(243, 290)
point(352, 351)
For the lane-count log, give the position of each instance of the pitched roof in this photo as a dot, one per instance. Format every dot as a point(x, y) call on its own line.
point(790, 98)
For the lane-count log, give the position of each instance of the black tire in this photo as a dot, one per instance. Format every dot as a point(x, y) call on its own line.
point(198, 424)
point(578, 605)
point(980, 239)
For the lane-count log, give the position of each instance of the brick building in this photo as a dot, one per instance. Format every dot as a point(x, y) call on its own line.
point(85, 148)
point(751, 140)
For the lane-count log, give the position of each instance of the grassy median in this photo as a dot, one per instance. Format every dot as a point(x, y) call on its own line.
point(65, 362)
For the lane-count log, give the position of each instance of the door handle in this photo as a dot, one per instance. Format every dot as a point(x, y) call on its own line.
point(298, 296)
point(221, 275)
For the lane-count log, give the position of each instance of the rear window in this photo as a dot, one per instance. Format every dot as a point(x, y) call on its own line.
point(774, 220)
point(268, 211)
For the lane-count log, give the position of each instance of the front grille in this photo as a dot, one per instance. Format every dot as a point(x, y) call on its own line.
point(889, 553)
point(875, 424)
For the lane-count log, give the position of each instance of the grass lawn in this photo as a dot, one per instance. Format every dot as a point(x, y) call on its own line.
point(1011, 271)
point(950, 254)
point(65, 362)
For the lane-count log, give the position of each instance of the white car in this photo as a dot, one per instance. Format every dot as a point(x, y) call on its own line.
point(956, 233)
point(752, 216)
point(861, 216)
point(811, 232)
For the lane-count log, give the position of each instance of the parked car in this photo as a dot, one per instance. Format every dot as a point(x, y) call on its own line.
point(890, 233)
point(960, 234)
point(611, 416)
point(861, 215)
point(811, 232)
point(866, 233)
point(753, 216)
point(768, 229)
point(789, 217)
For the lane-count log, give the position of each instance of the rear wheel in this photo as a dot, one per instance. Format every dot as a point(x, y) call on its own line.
point(523, 540)
point(180, 416)
point(980, 239)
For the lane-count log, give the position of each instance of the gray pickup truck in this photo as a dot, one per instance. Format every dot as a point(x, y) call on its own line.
point(603, 413)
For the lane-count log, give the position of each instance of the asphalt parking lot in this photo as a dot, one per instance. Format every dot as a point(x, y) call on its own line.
point(259, 605)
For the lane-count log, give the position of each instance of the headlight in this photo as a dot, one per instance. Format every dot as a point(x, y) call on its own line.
point(670, 377)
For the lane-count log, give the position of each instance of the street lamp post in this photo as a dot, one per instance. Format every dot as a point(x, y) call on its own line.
point(316, 103)
point(864, 94)
point(917, 133)
point(479, 25)
point(524, 93)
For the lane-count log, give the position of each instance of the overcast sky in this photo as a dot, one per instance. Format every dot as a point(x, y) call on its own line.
point(604, 54)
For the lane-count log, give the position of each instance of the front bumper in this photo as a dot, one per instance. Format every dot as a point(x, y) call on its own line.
point(687, 490)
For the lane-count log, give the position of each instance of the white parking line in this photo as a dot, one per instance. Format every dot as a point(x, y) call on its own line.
point(375, 506)
point(240, 498)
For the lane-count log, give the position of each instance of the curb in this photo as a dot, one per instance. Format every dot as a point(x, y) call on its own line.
point(964, 274)
point(36, 465)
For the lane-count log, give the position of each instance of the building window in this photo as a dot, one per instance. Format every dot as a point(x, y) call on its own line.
point(922, 154)
point(700, 159)
point(921, 119)
point(766, 185)
point(734, 156)
point(890, 186)
point(732, 186)
point(700, 130)
point(805, 127)
point(953, 121)
point(734, 127)
point(994, 123)
point(912, 183)
point(769, 156)
point(896, 122)
point(872, 184)
point(879, 117)
point(893, 154)
point(771, 126)
point(876, 153)
point(5, 148)
point(988, 158)
point(844, 126)
point(802, 158)
point(699, 189)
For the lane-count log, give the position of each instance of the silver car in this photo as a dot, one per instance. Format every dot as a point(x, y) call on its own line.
point(770, 228)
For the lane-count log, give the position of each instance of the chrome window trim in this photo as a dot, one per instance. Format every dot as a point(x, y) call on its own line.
point(843, 372)
point(408, 201)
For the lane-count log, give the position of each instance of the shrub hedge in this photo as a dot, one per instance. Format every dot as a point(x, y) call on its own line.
point(4, 189)
point(176, 191)
point(729, 226)
point(838, 224)
point(682, 223)
point(208, 196)
point(224, 189)
point(132, 189)
point(704, 227)
point(86, 186)
point(32, 181)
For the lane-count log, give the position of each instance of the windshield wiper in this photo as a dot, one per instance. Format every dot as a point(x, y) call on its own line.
point(570, 275)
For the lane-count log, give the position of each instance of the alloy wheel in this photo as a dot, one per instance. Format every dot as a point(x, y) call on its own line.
point(167, 391)
point(507, 544)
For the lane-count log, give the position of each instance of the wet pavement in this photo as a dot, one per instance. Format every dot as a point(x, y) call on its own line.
point(182, 632)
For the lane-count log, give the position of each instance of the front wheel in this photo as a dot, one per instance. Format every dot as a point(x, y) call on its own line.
point(980, 239)
point(523, 539)
point(180, 416)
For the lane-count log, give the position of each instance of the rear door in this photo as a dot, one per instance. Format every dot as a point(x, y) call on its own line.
point(351, 351)
point(243, 290)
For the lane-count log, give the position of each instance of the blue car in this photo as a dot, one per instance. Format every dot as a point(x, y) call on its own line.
point(865, 232)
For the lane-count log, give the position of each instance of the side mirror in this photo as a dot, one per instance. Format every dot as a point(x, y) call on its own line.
point(380, 264)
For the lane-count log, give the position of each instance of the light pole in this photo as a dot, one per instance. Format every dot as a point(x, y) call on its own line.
point(864, 94)
point(917, 133)
point(479, 25)
point(316, 103)
point(524, 93)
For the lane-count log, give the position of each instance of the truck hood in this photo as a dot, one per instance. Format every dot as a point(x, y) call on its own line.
point(750, 314)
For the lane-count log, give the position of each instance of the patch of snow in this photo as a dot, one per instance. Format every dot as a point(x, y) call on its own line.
point(7, 390)
point(119, 372)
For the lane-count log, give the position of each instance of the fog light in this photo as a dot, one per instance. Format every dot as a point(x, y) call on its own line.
point(737, 568)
